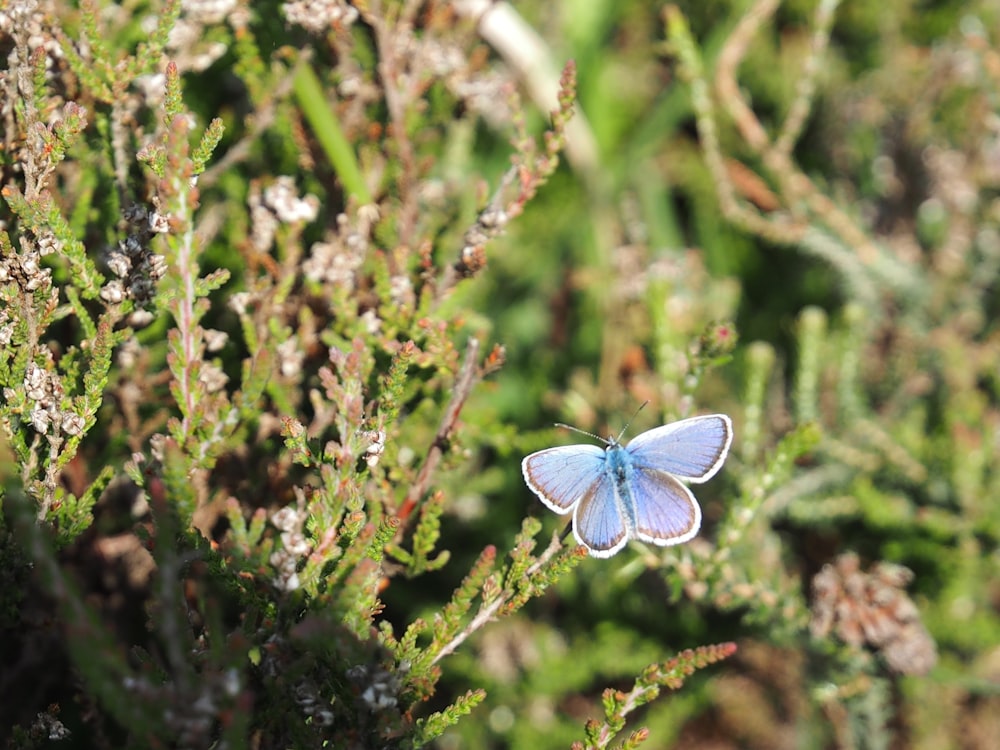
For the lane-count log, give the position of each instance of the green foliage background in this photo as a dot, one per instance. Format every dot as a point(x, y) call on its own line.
point(784, 211)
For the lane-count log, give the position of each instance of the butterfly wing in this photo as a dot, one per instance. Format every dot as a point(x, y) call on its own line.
point(666, 511)
point(598, 523)
point(692, 449)
point(562, 476)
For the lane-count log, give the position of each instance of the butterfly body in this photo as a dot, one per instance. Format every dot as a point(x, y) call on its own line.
point(618, 466)
point(633, 491)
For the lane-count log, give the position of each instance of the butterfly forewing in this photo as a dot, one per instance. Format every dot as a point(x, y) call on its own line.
point(597, 522)
point(666, 511)
point(692, 449)
point(561, 476)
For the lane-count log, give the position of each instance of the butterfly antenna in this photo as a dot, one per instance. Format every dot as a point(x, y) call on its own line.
point(636, 414)
point(582, 432)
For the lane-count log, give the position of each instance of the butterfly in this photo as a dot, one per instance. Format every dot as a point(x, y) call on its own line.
point(635, 491)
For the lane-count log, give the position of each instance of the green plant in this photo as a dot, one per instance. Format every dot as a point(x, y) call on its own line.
point(274, 400)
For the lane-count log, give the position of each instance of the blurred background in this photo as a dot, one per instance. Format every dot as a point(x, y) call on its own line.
point(820, 180)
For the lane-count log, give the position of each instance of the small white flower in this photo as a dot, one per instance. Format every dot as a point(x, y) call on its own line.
point(371, 321)
point(286, 519)
point(296, 543)
point(283, 562)
point(213, 377)
point(282, 198)
point(39, 280)
point(401, 289)
point(238, 302)
point(319, 16)
point(215, 340)
point(290, 358)
point(208, 12)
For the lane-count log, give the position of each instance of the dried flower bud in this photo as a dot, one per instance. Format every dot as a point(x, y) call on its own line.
point(376, 448)
point(48, 243)
point(136, 213)
point(378, 688)
point(36, 381)
point(72, 423)
point(871, 608)
point(471, 261)
point(131, 246)
point(113, 293)
point(158, 223)
point(41, 420)
point(120, 264)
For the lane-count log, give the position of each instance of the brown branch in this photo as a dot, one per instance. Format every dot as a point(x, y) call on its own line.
point(463, 387)
point(796, 188)
point(391, 68)
point(730, 57)
point(806, 86)
point(487, 612)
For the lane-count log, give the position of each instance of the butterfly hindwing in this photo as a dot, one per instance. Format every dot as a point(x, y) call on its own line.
point(597, 522)
point(665, 511)
point(692, 449)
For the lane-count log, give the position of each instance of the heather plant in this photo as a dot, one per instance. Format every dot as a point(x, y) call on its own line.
point(237, 421)
point(290, 288)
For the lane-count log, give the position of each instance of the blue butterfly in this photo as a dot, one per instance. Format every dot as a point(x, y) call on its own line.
point(633, 491)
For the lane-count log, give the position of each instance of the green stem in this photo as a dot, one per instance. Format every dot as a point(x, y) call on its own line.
point(331, 137)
